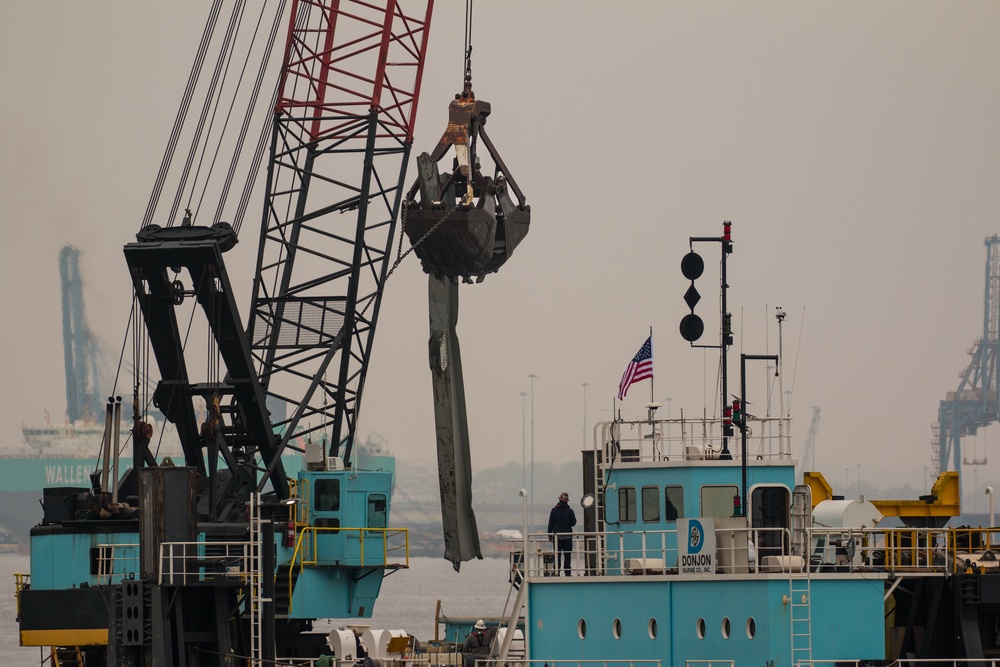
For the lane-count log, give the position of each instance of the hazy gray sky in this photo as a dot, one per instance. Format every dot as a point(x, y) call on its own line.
point(853, 145)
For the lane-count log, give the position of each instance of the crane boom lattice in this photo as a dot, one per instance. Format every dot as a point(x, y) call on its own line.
point(342, 134)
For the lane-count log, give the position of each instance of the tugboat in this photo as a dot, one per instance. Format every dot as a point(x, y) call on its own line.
point(696, 551)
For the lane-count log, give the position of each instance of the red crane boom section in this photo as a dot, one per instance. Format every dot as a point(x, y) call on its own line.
point(345, 58)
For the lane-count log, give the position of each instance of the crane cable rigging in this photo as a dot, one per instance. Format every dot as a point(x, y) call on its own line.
point(207, 135)
point(467, 78)
point(468, 41)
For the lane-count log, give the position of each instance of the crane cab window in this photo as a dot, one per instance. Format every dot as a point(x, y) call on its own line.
point(376, 511)
point(327, 495)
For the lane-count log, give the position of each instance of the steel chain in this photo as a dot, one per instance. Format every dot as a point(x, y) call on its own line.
point(400, 255)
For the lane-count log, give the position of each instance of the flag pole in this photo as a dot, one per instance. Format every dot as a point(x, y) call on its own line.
point(652, 376)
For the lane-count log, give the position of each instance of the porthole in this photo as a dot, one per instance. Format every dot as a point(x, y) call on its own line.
point(751, 628)
point(700, 628)
point(651, 628)
point(581, 628)
point(616, 629)
point(725, 628)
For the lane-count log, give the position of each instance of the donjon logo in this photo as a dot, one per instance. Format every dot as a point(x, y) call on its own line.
point(697, 546)
point(696, 537)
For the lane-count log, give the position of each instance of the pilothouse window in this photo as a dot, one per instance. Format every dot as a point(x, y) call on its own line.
point(626, 504)
point(674, 496)
point(651, 504)
point(717, 501)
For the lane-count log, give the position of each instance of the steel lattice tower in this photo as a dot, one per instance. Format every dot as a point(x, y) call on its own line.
point(975, 403)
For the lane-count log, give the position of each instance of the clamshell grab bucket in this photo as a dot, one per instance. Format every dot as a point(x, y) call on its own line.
point(464, 224)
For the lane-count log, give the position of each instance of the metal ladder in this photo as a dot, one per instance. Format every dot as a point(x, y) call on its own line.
point(66, 656)
point(516, 610)
point(800, 607)
point(254, 574)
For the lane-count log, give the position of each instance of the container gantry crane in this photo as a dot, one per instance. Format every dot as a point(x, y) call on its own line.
point(81, 351)
point(976, 402)
point(809, 449)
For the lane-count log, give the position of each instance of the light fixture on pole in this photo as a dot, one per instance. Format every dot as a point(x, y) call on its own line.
point(524, 419)
point(524, 529)
point(531, 496)
point(989, 492)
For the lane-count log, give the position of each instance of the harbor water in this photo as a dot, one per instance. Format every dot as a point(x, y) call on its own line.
point(407, 602)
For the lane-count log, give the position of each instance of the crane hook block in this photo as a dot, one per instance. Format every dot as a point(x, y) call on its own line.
point(464, 224)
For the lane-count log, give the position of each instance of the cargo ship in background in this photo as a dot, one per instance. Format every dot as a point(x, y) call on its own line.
point(64, 454)
point(50, 456)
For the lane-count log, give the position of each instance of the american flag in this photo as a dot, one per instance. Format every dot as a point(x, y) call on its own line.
point(640, 368)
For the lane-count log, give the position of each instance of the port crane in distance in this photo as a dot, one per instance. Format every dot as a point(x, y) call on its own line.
point(975, 403)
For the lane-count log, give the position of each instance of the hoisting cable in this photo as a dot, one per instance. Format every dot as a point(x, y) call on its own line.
point(251, 105)
point(182, 110)
point(467, 77)
point(121, 355)
point(211, 94)
point(468, 41)
point(263, 136)
point(121, 360)
point(228, 117)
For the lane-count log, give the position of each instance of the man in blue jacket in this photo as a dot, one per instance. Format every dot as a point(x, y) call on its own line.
point(561, 522)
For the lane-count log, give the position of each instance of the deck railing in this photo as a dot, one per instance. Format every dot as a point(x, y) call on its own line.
point(393, 550)
point(647, 552)
point(387, 547)
point(944, 662)
point(686, 438)
point(116, 562)
point(623, 662)
point(895, 551)
point(193, 563)
point(21, 582)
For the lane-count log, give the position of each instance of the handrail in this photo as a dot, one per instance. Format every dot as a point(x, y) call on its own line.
point(611, 662)
point(233, 562)
point(684, 438)
point(301, 509)
point(305, 546)
point(893, 551)
point(109, 555)
point(21, 581)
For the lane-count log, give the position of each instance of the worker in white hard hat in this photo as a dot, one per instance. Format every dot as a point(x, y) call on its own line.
point(477, 644)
